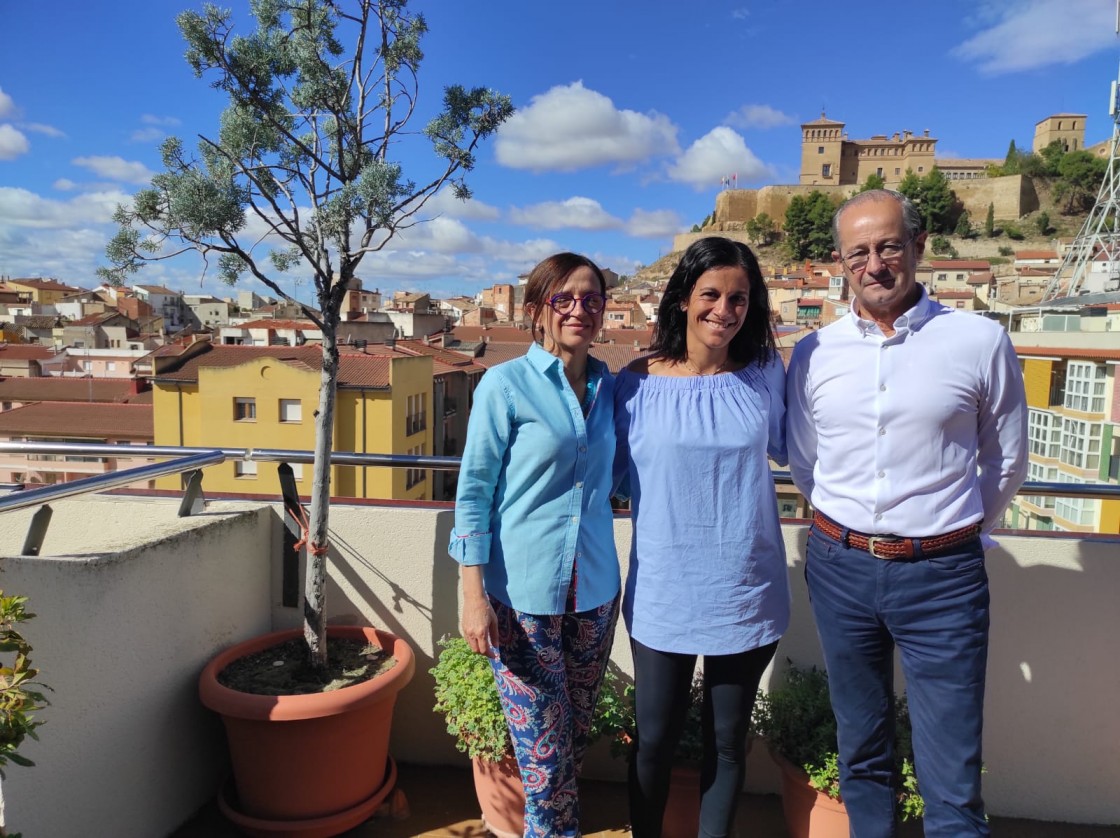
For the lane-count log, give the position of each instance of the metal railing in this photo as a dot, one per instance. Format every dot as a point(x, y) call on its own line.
point(194, 459)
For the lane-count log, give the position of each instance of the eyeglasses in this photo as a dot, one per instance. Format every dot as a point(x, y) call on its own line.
point(890, 253)
point(566, 303)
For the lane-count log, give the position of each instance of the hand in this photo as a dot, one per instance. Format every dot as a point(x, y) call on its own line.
point(480, 624)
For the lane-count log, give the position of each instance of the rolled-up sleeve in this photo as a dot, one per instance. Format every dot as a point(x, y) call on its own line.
point(488, 435)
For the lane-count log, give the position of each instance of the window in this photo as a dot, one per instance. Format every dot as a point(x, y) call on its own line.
point(244, 410)
point(245, 468)
point(1036, 472)
point(879, 171)
point(826, 170)
point(921, 168)
point(416, 418)
point(1044, 433)
point(1085, 384)
point(291, 410)
point(1081, 444)
point(1081, 511)
point(820, 149)
point(414, 476)
point(897, 171)
point(111, 366)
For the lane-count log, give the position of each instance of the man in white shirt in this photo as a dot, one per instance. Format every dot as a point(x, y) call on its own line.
point(907, 430)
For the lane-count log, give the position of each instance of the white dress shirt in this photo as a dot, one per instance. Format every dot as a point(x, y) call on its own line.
point(914, 435)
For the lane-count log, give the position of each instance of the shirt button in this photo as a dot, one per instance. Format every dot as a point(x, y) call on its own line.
point(579, 484)
point(882, 431)
point(575, 519)
point(882, 387)
point(583, 448)
point(878, 516)
point(882, 474)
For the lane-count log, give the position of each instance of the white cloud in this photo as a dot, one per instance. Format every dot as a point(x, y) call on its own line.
point(116, 168)
point(574, 213)
point(40, 128)
point(654, 224)
point(147, 135)
point(21, 208)
point(571, 127)
point(719, 153)
point(758, 116)
point(7, 106)
point(444, 203)
point(64, 184)
point(741, 13)
point(1038, 33)
point(165, 121)
point(12, 143)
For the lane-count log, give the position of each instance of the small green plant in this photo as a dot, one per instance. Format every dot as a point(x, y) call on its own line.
point(21, 696)
point(797, 721)
point(1005, 250)
point(467, 697)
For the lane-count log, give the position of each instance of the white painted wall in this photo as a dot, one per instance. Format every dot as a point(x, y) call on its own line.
point(131, 602)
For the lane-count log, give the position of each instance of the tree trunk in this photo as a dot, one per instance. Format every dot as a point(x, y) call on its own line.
point(314, 589)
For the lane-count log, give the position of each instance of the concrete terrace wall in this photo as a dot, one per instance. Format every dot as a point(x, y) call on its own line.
point(123, 632)
point(131, 602)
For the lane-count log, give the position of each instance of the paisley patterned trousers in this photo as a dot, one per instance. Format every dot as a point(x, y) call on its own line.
point(549, 670)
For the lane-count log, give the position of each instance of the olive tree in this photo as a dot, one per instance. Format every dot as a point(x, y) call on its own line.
point(320, 98)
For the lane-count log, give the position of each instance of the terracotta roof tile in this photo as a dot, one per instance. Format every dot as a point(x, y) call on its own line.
point(83, 420)
point(55, 389)
point(959, 265)
point(1089, 354)
point(356, 369)
point(25, 351)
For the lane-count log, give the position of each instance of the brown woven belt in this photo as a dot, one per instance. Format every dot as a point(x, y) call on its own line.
point(894, 546)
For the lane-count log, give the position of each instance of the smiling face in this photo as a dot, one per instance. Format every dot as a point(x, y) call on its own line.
point(565, 334)
point(716, 308)
point(884, 290)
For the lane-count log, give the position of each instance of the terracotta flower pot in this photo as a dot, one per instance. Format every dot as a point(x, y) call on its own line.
point(809, 813)
point(320, 757)
point(682, 807)
point(501, 795)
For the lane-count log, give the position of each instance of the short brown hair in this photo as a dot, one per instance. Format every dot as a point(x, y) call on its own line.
point(549, 276)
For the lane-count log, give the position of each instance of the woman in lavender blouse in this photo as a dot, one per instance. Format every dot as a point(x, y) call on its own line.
point(696, 421)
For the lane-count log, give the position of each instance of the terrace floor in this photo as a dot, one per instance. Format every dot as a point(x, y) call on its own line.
point(442, 804)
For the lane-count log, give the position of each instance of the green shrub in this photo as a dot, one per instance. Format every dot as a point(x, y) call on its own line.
point(1004, 250)
point(797, 721)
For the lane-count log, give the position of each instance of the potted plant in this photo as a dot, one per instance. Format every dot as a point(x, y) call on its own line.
point(467, 697)
point(797, 722)
point(21, 696)
point(301, 174)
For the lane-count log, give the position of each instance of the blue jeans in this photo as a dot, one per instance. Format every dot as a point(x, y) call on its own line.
point(549, 670)
point(935, 610)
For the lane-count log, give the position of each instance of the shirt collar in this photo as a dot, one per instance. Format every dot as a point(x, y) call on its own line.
point(909, 320)
point(544, 360)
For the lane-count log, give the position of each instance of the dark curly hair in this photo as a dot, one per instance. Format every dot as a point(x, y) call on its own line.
point(754, 343)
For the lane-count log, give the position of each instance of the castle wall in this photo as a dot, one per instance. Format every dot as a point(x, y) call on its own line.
point(1013, 197)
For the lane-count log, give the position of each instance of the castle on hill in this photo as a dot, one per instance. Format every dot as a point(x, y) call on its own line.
point(833, 163)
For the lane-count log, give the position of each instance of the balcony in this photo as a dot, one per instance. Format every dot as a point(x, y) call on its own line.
point(133, 600)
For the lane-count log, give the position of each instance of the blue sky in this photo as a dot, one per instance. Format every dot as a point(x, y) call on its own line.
point(629, 113)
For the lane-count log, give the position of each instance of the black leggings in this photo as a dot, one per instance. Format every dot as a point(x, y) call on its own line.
point(661, 682)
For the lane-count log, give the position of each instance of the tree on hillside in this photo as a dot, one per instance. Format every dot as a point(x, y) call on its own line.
point(302, 172)
point(1052, 156)
point(1079, 179)
point(874, 181)
point(808, 226)
point(990, 221)
point(1043, 223)
point(964, 225)
point(937, 202)
point(1011, 160)
point(911, 186)
point(762, 230)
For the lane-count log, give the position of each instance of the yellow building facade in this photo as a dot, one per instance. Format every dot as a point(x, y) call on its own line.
point(267, 397)
point(828, 157)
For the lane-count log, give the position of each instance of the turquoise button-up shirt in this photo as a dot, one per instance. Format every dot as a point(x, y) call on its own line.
point(533, 500)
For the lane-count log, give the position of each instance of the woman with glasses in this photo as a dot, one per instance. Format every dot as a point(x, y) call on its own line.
point(534, 535)
point(696, 421)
